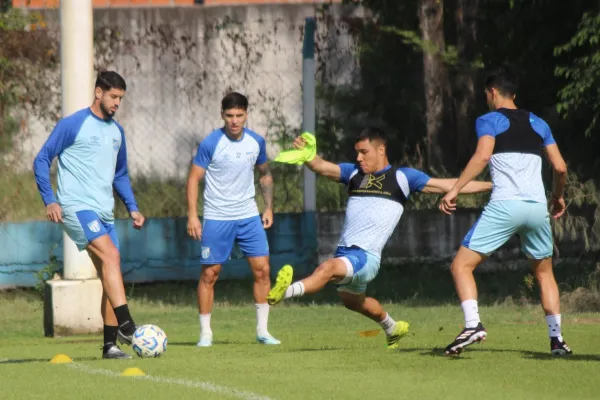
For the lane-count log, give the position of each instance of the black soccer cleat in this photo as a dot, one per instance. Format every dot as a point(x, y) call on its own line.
point(125, 337)
point(467, 337)
point(558, 348)
point(111, 351)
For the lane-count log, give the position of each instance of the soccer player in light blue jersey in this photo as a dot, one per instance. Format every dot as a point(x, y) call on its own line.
point(226, 159)
point(92, 161)
point(512, 141)
point(377, 196)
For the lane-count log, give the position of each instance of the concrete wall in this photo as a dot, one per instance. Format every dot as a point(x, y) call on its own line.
point(163, 251)
point(179, 62)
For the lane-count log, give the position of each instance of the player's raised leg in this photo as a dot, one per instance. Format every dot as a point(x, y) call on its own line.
point(462, 268)
point(206, 298)
point(331, 270)
point(108, 265)
point(372, 309)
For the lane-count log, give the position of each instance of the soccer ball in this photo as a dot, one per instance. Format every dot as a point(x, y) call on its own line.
point(149, 341)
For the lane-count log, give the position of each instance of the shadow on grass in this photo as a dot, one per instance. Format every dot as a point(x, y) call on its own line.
point(43, 360)
point(532, 355)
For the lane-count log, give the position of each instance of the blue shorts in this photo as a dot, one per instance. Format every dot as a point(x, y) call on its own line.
point(362, 267)
point(218, 238)
point(84, 226)
point(500, 220)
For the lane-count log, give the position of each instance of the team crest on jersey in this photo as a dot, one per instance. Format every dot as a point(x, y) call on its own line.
point(94, 226)
point(251, 157)
point(205, 252)
point(116, 145)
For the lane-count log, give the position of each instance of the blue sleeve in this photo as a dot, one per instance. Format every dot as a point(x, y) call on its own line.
point(262, 152)
point(63, 135)
point(346, 170)
point(416, 179)
point(491, 124)
point(121, 183)
point(542, 129)
point(206, 150)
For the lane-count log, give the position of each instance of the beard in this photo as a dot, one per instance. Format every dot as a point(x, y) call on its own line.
point(106, 112)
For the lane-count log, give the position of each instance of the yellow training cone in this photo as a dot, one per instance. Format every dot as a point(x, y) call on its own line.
point(133, 372)
point(369, 333)
point(61, 359)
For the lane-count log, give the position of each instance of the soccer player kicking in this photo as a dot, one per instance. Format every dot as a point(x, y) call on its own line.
point(511, 140)
point(377, 196)
point(226, 158)
point(92, 161)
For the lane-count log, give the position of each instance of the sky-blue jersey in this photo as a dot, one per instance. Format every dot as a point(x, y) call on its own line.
point(229, 164)
point(92, 160)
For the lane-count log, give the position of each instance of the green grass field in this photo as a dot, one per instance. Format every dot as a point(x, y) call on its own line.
point(322, 356)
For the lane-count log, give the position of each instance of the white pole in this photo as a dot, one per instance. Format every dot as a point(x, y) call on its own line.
point(77, 76)
point(309, 70)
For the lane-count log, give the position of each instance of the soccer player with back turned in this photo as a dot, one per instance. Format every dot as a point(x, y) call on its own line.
point(92, 161)
point(512, 141)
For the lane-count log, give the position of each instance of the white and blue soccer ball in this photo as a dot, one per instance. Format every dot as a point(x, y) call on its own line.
point(149, 341)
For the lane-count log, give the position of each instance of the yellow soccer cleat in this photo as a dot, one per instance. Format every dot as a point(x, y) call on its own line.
point(284, 280)
point(393, 340)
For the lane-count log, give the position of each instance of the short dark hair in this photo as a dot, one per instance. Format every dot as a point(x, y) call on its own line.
point(504, 80)
point(372, 133)
point(234, 100)
point(107, 80)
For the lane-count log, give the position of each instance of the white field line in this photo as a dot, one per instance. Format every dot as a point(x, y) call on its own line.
point(206, 386)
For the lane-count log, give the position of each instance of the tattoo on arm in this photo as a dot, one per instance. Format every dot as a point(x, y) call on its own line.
point(266, 185)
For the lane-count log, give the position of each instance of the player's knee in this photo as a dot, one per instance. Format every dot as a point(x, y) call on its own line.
point(209, 276)
point(261, 274)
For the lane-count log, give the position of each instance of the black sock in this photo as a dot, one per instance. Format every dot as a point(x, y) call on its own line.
point(110, 334)
point(126, 324)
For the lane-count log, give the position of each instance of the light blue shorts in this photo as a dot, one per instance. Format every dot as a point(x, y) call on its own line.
point(218, 238)
point(84, 226)
point(500, 220)
point(362, 268)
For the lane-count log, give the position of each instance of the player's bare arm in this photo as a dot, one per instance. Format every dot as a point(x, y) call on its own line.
point(266, 187)
point(481, 158)
point(194, 227)
point(559, 168)
point(436, 185)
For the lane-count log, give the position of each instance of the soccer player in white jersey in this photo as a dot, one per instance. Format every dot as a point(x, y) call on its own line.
point(512, 141)
point(377, 195)
point(92, 161)
point(226, 159)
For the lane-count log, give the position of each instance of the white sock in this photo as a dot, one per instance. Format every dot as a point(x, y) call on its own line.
point(205, 325)
point(553, 322)
point(388, 324)
point(471, 312)
point(262, 319)
point(294, 290)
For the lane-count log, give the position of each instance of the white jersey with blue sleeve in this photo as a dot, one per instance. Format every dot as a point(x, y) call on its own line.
point(516, 163)
point(376, 204)
point(92, 160)
point(229, 190)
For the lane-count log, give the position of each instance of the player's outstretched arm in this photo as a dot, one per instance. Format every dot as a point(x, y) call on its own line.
point(196, 174)
point(325, 168)
point(436, 185)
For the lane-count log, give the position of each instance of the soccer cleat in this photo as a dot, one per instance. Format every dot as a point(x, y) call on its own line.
point(467, 337)
point(267, 339)
point(205, 341)
point(125, 338)
point(284, 280)
point(558, 348)
point(393, 340)
point(111, 351)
